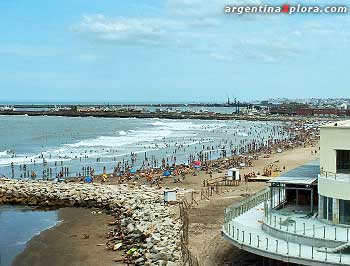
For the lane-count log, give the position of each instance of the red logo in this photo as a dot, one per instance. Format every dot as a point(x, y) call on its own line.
point(285, 8)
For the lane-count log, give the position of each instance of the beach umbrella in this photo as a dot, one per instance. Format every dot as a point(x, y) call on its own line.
point(133, 171)
point(198, 163)
point(166, 173)
point(88, 179)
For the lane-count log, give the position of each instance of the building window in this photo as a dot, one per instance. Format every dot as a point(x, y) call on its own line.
point(344, 211)
point(330, 209)
point(343, 161)
point(325, 209)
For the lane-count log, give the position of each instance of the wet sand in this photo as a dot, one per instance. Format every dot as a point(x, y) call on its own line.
point(65, 244)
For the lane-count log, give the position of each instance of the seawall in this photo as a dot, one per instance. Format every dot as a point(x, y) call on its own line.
point(143, 223)
point(162, 115)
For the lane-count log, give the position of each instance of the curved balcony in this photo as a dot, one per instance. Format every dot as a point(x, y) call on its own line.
point(251, 226)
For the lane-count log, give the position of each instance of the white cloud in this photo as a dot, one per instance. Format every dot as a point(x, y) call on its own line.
point(114, 29)
point(203, 28)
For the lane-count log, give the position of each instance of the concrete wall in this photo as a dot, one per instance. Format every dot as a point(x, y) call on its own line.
point(334, 188)
point(332, 139)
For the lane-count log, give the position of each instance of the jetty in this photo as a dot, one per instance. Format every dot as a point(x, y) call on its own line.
point(160, 114)
point(144, 224)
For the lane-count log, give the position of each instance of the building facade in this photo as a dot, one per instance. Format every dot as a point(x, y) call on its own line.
point(334, 179)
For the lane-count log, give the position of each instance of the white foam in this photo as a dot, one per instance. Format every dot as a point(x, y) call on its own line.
point(186, 125)
point(20, 159)
point(4, 153)
point(242, 134)
point(150, 137)
point(132, 137)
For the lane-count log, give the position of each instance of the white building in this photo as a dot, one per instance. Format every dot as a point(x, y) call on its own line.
point(334, 180)
point(344, 106)
point(284, 224)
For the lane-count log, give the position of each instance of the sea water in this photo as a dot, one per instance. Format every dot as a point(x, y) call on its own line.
point(77, 142)
point(17, 226)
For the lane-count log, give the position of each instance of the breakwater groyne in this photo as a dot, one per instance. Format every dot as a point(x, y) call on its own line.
point(143, 225)
point(163, 115)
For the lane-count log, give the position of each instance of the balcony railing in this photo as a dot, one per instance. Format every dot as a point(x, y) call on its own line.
point(246, 204)
point(335, 176)
point(244, 233)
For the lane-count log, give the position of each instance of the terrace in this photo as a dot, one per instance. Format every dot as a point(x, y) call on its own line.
point(291, 238)
point(280, 223)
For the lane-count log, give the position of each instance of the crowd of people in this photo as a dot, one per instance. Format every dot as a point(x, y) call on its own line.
point(298, 136)
point(258, 140)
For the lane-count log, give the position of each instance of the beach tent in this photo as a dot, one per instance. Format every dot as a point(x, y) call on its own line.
point(88, 179)
point(132, 171)
point(166, 173)
point(232, 174)
point(170, 195)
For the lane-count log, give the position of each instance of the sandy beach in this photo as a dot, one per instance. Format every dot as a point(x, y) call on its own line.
point(174, 133)
point(206, 218)
point(79, 240)
point(67, 244)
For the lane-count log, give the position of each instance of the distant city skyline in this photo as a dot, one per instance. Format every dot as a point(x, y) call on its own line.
point(168, 51)
point(222, 101)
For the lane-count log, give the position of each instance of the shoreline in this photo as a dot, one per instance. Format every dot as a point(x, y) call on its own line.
point(18, 225)
point(64, 238)
point(143, 227)
point(77, 239)
point(67, 236)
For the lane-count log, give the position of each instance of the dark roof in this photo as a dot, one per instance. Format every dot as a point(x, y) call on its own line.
point(294, 180)
point(303, 175)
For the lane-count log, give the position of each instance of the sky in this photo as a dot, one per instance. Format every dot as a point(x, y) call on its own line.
point(168, 51)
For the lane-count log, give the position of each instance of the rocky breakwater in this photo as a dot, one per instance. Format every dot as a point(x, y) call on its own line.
point(144, 227)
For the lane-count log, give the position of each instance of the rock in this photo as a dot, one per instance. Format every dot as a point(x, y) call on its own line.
point(162, 263)
point(160, 256)
point(143, 224)
point(117, 246)
point(139, 260)
point(130, 228)
point(136, 254)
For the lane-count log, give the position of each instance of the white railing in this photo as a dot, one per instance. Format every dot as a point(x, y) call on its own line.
point(242, 234)
point(335, 176)
point(245, 205)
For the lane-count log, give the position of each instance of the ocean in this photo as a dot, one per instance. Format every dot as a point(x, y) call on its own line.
point(42, 144)
point(17, 226)
point(46, 144)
